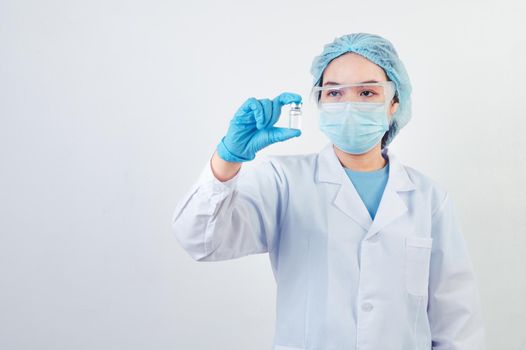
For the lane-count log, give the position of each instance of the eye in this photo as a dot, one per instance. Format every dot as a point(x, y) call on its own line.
point(333, 93)
point(367, 93)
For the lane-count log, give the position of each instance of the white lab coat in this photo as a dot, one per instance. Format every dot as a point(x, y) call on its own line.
point(401, 282)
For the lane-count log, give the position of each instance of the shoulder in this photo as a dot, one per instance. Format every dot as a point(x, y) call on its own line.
point(423, 181)
point(291, 163)
point(428, 187)
point(283, 169)
point(280, 169)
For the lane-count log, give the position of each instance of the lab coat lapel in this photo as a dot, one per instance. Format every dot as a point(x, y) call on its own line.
point(392, 206)
point(348, 200)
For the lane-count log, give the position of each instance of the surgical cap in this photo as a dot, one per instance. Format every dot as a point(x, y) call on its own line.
point(381, 52)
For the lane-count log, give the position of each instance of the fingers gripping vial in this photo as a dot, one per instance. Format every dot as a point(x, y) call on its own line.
point(252, 127)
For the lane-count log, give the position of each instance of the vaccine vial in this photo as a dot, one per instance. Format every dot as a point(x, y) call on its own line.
point(295, 116)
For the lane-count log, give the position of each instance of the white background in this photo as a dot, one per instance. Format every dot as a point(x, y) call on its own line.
point(110, 109)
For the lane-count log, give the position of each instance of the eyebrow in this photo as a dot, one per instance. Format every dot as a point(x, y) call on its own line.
point(360, 82)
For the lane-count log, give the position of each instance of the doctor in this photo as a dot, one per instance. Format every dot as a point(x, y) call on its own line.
point(366, 252)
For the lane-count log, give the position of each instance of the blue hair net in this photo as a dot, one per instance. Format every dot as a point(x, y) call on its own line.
point(381, 52)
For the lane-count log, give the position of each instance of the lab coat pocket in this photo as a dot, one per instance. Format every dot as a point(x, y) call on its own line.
point(417, 259)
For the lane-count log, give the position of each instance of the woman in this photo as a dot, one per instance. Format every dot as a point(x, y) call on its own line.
point(366, 252)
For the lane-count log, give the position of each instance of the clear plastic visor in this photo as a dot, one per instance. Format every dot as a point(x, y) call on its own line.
point(380, 92)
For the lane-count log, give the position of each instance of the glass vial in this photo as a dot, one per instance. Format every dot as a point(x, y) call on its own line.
point(295, 116)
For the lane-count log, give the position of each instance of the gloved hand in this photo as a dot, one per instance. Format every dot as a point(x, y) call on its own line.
point(251, 129)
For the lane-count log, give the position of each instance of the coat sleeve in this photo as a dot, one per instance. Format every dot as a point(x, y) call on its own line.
point(225, 220)
point(453, 309)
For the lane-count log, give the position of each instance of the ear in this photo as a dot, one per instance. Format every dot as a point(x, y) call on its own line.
point(393, 109)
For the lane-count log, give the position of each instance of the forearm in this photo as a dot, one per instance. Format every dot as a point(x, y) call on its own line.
point(223, 170)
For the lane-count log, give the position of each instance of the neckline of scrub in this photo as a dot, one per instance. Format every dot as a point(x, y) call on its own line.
point(378, 172)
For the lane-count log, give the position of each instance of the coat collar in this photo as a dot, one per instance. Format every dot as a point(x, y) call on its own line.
point(392, 206)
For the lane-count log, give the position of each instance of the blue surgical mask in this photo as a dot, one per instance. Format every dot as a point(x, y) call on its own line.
point(354, 127)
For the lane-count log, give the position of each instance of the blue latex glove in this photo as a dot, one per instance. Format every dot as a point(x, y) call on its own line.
point(251, 129)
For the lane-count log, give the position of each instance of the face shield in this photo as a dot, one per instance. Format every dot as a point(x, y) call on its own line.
point(336, 98)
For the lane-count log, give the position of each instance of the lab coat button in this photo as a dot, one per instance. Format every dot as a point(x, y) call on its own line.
point(367, 307)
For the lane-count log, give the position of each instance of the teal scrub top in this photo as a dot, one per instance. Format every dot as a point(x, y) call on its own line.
point(370, 186)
